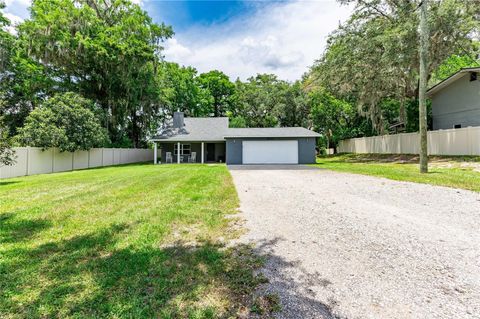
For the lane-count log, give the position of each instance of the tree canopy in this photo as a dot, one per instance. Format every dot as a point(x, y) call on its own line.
point(374, 55)
point(107, 51)
point(66, 121)
point(219, 87)
point(7, 154)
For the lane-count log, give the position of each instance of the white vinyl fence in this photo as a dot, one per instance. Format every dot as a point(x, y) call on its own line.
point(32, 160)
point(463, 141)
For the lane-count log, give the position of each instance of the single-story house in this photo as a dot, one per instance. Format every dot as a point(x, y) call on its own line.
point(203, 140)
point(456, 100)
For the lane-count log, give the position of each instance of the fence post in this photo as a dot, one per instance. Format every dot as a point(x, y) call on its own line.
point(27, 169)
point(53, 159)
point(469, 141)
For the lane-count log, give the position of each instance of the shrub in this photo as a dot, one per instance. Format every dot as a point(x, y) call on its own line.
point(66, 121)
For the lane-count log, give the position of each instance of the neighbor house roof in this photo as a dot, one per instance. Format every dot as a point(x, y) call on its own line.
point(210, 129)
point(452, 78)
point(270, 132)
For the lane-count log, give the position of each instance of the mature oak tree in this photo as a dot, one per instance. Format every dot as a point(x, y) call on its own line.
point(108, 51)
point(375, 55)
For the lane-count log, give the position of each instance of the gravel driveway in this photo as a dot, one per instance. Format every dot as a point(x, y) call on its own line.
point(352, 246)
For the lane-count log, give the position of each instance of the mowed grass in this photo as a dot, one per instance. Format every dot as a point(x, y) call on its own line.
point(457, 172)
point(135, 241)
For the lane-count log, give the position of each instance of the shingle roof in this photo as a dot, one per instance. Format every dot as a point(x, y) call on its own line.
point(200, 129)
point(271, 132)
point(216, 129)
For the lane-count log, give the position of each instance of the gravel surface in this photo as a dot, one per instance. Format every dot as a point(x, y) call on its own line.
point(352, 246)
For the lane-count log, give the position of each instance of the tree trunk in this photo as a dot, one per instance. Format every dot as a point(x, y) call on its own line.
point(422, 102)
point(403, 112)
point(134, 134)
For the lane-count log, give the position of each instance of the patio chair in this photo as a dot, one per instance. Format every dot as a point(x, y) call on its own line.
point(193, 158)
point(168, 157)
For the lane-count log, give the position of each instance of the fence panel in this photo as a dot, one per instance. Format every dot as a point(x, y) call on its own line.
point(40, 162)
point(62, 161)
point(21, 166)
point(107, 157)
point(32, 160)
point(95, 157)
point(463, 141)
point(80, 160)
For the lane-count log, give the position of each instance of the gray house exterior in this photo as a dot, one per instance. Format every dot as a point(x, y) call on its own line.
point(205, 140)
point(456, 100)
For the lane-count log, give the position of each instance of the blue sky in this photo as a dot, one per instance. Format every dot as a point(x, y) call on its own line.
point(183, 14)
point(240, 38)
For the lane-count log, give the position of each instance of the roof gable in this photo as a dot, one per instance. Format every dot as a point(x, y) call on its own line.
point(454, 77)
point(200, 129)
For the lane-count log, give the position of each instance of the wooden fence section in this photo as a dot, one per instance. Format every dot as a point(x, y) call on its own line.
point(32, 160)
point(463, 141)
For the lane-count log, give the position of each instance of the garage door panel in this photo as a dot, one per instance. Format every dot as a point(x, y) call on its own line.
point(270, 152)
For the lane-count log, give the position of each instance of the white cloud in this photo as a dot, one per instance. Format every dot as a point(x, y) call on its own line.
point(14, 20)
point(18, 9)
point(175, 49)
point(281, 38)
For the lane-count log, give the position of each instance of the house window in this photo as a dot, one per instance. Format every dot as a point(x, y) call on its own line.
point(184, 149)
point(457, 126)
point(473, 76)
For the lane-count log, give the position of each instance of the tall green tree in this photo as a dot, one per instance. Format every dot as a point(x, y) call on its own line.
point(23, 83)
point(374, 55)
point(296, 109)
point(260, 100)
point(220, 88)
point(179, 91)
point(109, 51)
point(333, 118)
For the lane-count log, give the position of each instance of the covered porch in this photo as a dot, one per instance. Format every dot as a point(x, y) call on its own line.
point(189, 152)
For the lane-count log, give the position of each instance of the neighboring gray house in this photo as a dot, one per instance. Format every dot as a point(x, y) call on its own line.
point(456, 100)
point(210, 139)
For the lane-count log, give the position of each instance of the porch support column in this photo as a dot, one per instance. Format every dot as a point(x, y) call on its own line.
point(202, 151)
point(155, 153)
point(178, 153)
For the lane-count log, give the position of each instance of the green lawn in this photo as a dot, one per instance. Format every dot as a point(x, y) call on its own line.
point(134, 241)
point(458, 172)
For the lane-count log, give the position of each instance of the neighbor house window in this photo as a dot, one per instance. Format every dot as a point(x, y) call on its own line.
point(457, 126)
point(184, 149)
point(473, 76)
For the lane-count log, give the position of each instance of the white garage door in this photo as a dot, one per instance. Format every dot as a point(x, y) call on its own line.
point(270, 152)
